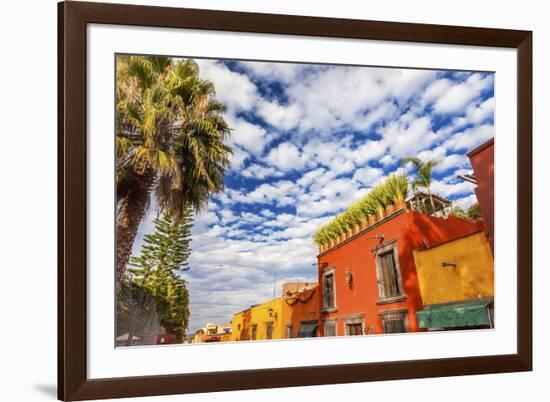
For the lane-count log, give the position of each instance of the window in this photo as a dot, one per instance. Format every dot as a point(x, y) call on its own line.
point(394, 322)
point(269, 330)
point(389, 278)
point(354, 329)
point(353, 325)
point(388, 272)
point(254, 331)
point(330, 328)
point(289, 331)
point(329, 301)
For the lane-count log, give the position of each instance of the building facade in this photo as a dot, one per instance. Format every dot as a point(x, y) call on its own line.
point(368, 284)
point(457, 270)
point(482, 159)
point(213, 333)
point(294, 314)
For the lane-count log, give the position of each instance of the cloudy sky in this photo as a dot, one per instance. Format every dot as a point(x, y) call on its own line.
point(308, 140)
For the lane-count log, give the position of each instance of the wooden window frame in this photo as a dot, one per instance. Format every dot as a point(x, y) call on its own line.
point(328, 272)
point(354, 319)
point(382, 249)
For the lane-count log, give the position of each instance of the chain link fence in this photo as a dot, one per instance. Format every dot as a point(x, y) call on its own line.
point(137, 320)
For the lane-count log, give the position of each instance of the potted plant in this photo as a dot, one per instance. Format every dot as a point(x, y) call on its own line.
point(398, 189)
point(372, 220)
point(380, 200)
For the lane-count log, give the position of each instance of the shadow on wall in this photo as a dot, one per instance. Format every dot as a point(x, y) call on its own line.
point(423, 232)
point(305, 307)
point(245, 326)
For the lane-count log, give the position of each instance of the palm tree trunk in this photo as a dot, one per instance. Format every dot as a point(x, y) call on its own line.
point(130, 214)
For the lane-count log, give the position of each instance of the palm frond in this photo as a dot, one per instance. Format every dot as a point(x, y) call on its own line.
point(159, 160)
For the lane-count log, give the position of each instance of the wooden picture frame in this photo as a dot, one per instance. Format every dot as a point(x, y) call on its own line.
point(73, 17)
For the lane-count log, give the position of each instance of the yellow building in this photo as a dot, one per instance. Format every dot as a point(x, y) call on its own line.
point(456, 281)
point(261, 321)
point(294, 314)
point(457, 270)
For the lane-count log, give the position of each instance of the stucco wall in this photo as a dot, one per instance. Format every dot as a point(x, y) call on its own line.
point(483, 163)
point(410, 231)
point(306, 309)
point(243, 321)
point(472, 277)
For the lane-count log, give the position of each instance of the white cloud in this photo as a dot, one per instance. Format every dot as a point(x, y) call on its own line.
point(368, 175)
point(281, 193)
point(369, 151)
point(283, 117)
point(234, 90)
point(478, 113)
point(330, 197)
point(286, 157)
point(384, 112)
point(267, 213)
point(446, 161)
point(470, 138)
point(310, 177)
point(329, 98)
point(250, 137)
point(285, 72)
point(259, 172)
point(387, 160)
point(282, 220)
point(238, 157)
point(249, 217)
point(436, 90)
point(447, 190)
point(405, 138)
point(459, 95)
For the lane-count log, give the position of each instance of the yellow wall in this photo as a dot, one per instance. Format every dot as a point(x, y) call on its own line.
point(472, 277)
point(241, 327)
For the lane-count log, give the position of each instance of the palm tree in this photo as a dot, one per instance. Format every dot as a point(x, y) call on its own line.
point(424, 174)
point(170, 143)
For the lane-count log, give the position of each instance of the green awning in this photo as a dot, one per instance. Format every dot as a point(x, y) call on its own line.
point(307, 329)
point(468, 313)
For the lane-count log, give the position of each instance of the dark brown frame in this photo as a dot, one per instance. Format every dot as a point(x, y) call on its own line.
point(73, 383)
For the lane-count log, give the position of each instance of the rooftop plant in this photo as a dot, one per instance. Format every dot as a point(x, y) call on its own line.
point(397, 186)
point(391, 191)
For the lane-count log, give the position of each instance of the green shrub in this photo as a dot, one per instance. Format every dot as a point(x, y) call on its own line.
point(394, 189)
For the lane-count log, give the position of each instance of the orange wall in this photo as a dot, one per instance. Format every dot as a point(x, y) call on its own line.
point(307, 309)
point(412, 231)
point(483, 162)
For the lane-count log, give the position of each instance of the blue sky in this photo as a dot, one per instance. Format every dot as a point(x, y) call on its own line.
point(308, 140)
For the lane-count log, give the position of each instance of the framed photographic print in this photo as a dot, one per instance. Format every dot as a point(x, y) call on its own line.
point(253, 200)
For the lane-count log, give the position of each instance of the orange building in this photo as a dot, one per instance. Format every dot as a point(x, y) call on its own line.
point(368, 282)
point(482, 159)
point(213, 333)
point(301, 311)
point(295, 314)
